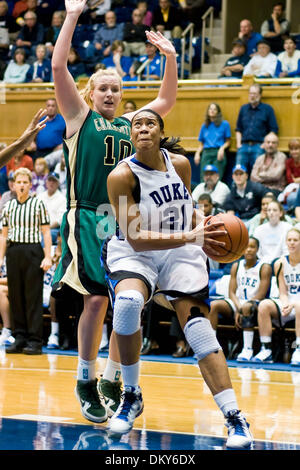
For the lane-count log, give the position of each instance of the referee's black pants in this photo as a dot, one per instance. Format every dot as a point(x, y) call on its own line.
point(25, 290)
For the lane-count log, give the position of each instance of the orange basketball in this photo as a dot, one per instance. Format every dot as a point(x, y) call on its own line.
point(236, 239)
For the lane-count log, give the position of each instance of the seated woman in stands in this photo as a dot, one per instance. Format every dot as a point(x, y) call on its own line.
point(288, 61)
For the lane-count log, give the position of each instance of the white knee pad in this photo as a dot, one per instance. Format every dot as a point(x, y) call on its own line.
point(127, 312)
point(201, 337)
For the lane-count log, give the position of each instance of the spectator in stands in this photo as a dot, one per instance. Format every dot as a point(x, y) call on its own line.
point(245, 196)
point(272, 234)
point(19, 160)
point(26, 263)
point(206, 205)
point(75, 65)
point(51, 137)
point(288, 62)
point(193, 11)
point(155, 63)
point(276, 28)
point(129, 106)
point(134, 35)
point(147, 15)
point(281, 311)
point(61, 170)
point(8, 195)
point(32, 6)
point(234, 66)
point(40, 70)
point(31, 34)
point(255, 121)
point(262, 216)
point(39, 176)
point(97, 13)
point(269, 168)
point(167, 19)
point(118, 60)
point(214, 138)
point(250, 280)
point(55, 203)
point(250, 37)
point(19, 7)
point(7, 26)
point(52, 31)
point(212, 185)
point(262, 64)
point(17, 68)
point(104, 37)
point(289, 195)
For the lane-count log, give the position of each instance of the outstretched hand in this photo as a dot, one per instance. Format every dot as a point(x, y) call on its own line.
point(75, 6)
point(34, 127)
point(161, 42)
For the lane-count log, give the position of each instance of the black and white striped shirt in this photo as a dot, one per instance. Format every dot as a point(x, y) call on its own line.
point(24, 220)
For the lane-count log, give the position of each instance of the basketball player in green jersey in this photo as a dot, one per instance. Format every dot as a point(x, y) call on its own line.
point(95, 141)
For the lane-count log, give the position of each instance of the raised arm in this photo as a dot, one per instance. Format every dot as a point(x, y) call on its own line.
point(72, 106)
point(166, 98)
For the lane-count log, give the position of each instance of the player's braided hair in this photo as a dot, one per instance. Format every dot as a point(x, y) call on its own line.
point(169, 143)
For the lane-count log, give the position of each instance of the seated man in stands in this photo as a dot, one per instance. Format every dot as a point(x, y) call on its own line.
point(134, 35)
point(250, 37)
point(155, 63)
point(276, 28)
point(108, 32)
point(262, 64)
point(245, 196)
point(213, 186)
point(234, 66)
point(288, 61)
point(270, 168)
point(250, 281)
point(167, 19)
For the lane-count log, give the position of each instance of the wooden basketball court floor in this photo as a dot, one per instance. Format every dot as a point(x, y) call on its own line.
point(38, 409)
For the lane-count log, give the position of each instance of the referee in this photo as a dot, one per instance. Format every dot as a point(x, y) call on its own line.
point(23, 221)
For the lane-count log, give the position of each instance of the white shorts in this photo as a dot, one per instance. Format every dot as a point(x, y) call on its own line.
point(168, 274)
point(282, 320)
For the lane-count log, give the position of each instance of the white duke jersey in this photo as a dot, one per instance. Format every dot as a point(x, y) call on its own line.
point(164, 202)
point(247, 280)
point(291, 276)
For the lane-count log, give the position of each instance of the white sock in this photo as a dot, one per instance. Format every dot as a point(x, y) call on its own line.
point(112, 371)
point(226, 400)
point(248, 339)
point(131, 374)
point(298, 342)
point(265, 339)
point(54, 328)
point(86, 370)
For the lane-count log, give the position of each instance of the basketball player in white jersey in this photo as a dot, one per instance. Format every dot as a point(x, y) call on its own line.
point(250, 280)
point(287, 307)
point(150, 195)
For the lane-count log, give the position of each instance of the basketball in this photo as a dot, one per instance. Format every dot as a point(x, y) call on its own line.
point(236, 238)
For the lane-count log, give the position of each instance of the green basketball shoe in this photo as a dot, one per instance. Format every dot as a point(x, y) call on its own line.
point(111, 393)
point(91, 407)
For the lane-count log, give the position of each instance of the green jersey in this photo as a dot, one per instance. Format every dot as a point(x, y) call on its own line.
point(90, 154)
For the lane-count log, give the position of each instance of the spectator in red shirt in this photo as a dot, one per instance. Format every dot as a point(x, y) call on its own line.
point(292, 165)
point(19, 160)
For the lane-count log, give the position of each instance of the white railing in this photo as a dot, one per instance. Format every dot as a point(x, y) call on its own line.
point(208, 15)
point(188, 32)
